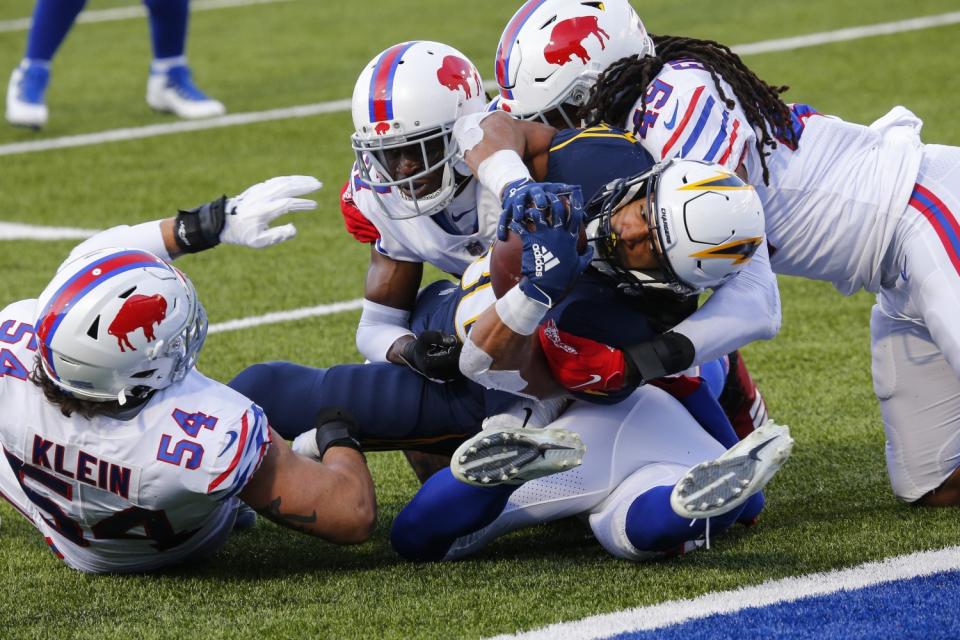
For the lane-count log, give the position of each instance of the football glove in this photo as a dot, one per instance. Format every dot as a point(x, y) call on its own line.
point(522, 194)
point(245, 219)
point(249, 215)
point(550, 262)
point(434, 355)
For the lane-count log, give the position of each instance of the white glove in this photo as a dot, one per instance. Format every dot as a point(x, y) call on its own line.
point(249, 214)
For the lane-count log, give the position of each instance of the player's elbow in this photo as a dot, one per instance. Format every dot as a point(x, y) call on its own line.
point(356, 522)
point(357, 515)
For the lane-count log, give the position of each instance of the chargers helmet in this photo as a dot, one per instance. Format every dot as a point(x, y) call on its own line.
point(118, 323)
point(705, 224)
point(552, 52)
point(407, 99)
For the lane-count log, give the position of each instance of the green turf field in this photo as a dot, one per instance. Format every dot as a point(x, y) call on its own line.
point(831, 507)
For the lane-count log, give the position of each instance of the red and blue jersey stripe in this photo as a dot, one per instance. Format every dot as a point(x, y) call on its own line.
point(941, 218)
point(381, 82)
point(505, 48)
point(79, 285)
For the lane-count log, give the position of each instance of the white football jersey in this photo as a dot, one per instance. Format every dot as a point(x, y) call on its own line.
point(450, 240)
point(115, 495)
point(832, 204)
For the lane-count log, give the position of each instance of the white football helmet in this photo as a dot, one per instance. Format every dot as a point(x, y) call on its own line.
point(117, 324)
point(705, 225)
point(552, 52)
point(406, 100)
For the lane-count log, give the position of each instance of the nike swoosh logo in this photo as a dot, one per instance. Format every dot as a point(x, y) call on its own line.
point(529, 412)
point(595, 378)
point(233, 438)
point(673, 120)
point(460, 217)
point(756, 449)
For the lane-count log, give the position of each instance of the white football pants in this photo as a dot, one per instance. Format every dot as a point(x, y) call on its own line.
point(915, 334)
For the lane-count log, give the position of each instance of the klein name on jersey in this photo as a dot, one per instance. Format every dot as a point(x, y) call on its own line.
point(86, 468)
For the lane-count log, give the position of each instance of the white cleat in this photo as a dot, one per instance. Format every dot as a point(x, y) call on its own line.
point(514, 455)
point(713, 488)
point(25, 96)
point(174, 92)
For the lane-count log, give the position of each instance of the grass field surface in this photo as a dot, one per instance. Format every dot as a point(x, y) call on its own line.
point(830, 508)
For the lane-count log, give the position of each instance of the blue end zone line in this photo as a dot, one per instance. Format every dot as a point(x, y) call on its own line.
point(336, 106)
point(765, 594)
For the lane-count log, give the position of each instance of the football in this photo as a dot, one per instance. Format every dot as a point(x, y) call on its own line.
point(505, 258)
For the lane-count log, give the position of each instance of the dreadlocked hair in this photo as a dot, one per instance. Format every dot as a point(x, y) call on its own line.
point(626, 81)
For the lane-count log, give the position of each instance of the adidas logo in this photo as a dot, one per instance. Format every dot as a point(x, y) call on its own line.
point(543, 260)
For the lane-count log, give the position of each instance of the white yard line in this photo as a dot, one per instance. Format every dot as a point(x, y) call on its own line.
point(767, 593)
point(334, 106)
point(286, 316)
point(136, 11)
point(180, 126)
point(18, 231)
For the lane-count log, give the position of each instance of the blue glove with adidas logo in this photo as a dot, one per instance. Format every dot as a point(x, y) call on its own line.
point(550, 262)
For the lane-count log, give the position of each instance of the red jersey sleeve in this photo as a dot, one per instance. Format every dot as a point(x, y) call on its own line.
point(353, 219)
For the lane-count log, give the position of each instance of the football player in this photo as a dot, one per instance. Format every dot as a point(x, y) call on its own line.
point(119, 451)
point(862, 207)
point(412, 201)
point(635, 484)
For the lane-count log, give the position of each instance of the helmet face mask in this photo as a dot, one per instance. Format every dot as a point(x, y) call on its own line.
point(704, 224)
point(405, 104)
point(435, 151)
point(118, 324)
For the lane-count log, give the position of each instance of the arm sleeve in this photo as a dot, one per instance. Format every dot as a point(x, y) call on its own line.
point(744, 309)
point(145, 236)
point(379, 328)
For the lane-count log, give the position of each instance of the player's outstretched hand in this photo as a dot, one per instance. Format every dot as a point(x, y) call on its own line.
point(523, 194)
point(550, 261)
point(249, 214)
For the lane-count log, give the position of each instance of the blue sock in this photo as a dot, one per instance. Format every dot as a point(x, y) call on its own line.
point(752, 508)
point(714, 374)
point(168, 27)
point(443, 510)
point(653, 526)
point(52, 20)
point(707, 411)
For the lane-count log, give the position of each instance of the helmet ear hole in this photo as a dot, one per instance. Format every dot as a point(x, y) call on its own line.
point(94, 328)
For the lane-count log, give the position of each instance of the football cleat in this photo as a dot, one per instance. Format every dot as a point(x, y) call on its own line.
point(25, 96)
point(174, 92)
point(514, 455)
point(715, 487)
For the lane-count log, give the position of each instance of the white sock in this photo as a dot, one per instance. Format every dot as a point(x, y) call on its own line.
point(162, 65)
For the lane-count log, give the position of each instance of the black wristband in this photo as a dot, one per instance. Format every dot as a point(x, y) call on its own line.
point(335, 429)
point(666, 354)
point(200, 227)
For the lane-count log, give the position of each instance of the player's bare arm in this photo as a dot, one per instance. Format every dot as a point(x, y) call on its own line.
point(332, 499)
